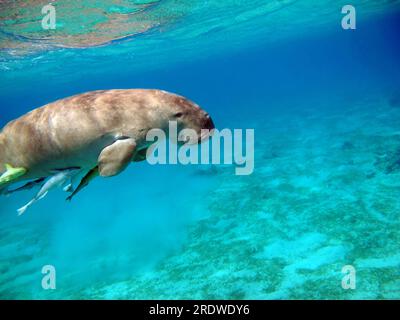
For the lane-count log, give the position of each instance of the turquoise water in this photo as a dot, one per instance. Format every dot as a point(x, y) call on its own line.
point(325, 106)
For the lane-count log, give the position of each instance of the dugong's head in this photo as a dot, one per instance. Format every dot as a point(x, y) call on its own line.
point(188, 115)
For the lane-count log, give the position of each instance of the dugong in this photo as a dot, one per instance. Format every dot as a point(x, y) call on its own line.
point(105, 128)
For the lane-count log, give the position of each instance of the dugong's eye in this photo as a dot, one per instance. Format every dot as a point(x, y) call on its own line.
point(178, 115)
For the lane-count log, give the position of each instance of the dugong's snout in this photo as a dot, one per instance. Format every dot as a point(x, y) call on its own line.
point(207, 128)
point(192, 117)
point(200, 127)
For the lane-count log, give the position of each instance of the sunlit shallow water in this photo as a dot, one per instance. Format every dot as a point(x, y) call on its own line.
point(325, 106)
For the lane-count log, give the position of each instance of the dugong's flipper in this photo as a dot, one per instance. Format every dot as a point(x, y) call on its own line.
point(11, 174)
point(114, 158)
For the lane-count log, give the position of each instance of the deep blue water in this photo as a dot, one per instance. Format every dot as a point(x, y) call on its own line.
point(324, 193)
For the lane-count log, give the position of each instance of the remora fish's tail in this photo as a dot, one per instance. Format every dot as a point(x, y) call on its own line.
point(22, 210)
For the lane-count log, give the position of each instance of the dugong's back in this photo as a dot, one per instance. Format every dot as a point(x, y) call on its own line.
point(70, 131)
